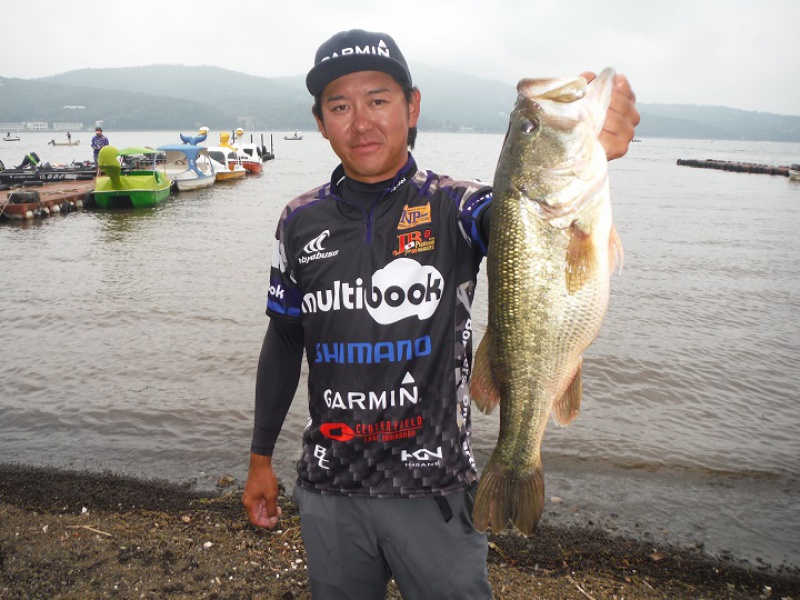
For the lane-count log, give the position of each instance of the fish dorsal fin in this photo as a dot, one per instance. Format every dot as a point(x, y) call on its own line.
point(566, 409)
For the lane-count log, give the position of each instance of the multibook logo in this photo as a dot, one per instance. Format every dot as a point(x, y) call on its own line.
point(402, 289)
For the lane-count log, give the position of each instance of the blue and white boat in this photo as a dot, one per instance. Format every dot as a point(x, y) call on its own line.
point(188, 166)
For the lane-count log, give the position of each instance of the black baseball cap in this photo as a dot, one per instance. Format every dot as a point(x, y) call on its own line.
point(356, 50)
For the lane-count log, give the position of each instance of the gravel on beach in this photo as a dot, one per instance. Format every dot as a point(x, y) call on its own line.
point(76, 535)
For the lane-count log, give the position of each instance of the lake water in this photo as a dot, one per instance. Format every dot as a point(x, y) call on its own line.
point(130, 340)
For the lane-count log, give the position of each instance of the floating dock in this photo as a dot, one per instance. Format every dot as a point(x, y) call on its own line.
point(39, 202)
point(737, 167)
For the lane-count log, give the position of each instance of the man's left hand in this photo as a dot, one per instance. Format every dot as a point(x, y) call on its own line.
point(621, 117)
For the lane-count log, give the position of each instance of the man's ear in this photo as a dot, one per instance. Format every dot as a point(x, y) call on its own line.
point(414, 107)
point(321, 127)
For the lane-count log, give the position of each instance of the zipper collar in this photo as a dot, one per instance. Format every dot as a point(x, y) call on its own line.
point(402, 176)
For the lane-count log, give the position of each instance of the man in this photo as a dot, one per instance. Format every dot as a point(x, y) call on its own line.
point(30, 160)
point(373, 276)
point(98, 141)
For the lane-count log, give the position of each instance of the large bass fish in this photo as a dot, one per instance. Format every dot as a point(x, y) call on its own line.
point(551, 253)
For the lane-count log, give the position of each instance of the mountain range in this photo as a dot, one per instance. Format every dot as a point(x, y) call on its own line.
point(183, 98)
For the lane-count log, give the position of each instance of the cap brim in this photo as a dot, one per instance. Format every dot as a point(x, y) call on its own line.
point(333, 68)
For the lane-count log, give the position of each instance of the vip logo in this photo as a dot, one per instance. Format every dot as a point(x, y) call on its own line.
point(413, 216)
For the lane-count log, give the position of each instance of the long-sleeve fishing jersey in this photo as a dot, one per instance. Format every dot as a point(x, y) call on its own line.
point(383, 291)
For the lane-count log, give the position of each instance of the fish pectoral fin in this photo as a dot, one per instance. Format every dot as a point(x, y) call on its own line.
point(482, 387)
point(581, 259)
point(566, 408)
point(616, 254)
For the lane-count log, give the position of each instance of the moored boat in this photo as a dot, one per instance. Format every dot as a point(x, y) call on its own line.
point(140, 185)
point(188, 166)
point(252, 164)
point(251, 149)
point(295, 136)
point(47, 172)
point(227, 165)
point(794, 172)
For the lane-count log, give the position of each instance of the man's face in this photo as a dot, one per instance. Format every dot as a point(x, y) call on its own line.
point(366, 119)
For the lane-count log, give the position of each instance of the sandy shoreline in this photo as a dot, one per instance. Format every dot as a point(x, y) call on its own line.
point(67, 534)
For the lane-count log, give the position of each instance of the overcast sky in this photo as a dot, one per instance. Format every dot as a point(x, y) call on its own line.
point(738, 53)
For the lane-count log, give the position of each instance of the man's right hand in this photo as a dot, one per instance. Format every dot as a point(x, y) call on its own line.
point(260, 497)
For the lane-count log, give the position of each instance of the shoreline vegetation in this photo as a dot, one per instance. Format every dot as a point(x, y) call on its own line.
point(77, 535)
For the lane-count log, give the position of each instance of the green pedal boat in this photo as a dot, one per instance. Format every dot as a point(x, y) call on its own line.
point(131, 178)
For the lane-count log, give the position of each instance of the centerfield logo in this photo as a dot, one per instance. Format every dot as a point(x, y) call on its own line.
point(380, 431)
point(402, 289)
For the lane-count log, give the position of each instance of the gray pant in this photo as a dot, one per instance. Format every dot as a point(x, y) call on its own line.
point(355, 545)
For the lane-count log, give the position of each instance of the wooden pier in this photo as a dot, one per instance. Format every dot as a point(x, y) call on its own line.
point(39, 202)
point(737, 167)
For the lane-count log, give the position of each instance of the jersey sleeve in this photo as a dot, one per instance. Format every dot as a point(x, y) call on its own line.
point(276, 382)
point(475, 212)
point(284, 299)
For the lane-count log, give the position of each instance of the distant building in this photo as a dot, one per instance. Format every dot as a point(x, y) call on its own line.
point(12, 126)
point(67, 126)
point(36, 126)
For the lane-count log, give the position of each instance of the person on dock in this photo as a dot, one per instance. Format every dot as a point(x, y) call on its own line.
point(386, 478)
point(30, 161)
point(98, 141)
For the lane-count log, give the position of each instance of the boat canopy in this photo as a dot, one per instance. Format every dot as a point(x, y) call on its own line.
point(136, 150)
point(188, 150)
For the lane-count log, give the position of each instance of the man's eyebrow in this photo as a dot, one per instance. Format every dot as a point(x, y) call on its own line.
point(374, 92)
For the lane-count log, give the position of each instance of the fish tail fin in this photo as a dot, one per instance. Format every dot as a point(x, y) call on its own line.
point(566, 408)
point(501, 498)
point(616, 253)
point(581, 259)
point(482, 387)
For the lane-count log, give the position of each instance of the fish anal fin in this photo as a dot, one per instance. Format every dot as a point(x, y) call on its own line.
point(503, 497)
point(581, 259)
point(566, 409)
point(482, 387)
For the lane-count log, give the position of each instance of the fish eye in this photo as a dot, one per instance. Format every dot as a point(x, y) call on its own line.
point(529, 125)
